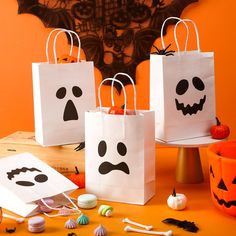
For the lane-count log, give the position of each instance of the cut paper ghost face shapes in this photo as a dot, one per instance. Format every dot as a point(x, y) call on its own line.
point(182, 87)
point(70, 112)
point(37, 176)
point(106, 166)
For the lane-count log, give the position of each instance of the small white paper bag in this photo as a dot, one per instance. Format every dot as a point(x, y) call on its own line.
point(120, 153)
point(182, 92)
point(25, 180)
point(62, 94)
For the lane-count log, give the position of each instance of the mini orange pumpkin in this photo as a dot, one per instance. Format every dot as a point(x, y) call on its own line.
point(78, 178)
point(219, 131)
point(114, 110)
point(223, 175)
point(66, 59)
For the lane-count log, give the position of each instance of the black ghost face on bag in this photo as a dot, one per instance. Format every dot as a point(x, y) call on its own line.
point(181, 88)
point(39, 178)
point(70, 112)
point(106, 167)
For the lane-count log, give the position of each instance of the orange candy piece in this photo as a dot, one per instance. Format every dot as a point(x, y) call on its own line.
point(66, 59)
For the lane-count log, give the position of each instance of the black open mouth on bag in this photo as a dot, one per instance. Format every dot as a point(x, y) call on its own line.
point(190, 109)
point(40, 178)
point(107, 167)
point(70, 112)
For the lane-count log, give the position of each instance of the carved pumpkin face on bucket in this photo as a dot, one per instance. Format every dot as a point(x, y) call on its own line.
point(222, 167)
point(0, 215)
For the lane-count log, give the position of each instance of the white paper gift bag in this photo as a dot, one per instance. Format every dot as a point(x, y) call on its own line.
point(182, 91)
point(25, 180)
point(120, 153)
point(62, 93)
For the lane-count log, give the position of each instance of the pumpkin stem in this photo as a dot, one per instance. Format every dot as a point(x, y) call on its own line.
point(218, 122)
point(174, 193)
point(76, 170)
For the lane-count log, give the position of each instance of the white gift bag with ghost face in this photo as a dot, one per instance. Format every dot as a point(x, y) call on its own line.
point(182, 92)
point(62, 93)
point(120, 153)
point(25, 180)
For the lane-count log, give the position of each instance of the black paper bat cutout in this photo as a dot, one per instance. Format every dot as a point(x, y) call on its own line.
point(80, 147)
point(117, 35)
point(186, 225)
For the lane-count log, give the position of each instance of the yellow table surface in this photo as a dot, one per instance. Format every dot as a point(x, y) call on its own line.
point(200, 208)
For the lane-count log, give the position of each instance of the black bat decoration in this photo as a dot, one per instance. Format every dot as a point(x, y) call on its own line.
point(186, 225)
point(115, 34)
point(80, 147)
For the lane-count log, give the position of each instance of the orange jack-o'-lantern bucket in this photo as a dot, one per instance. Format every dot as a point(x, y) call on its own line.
point(0, 215)
point(222, 167)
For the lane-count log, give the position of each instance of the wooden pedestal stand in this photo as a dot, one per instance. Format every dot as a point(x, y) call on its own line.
point(189, 168)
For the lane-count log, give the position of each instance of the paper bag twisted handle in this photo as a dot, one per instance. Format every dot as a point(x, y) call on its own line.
point(186, 43)
point(99, 92)
point(134, 89)
point(70, 32)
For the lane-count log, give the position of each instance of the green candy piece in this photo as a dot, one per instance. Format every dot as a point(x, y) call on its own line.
point(83, 220)
point(105, 208)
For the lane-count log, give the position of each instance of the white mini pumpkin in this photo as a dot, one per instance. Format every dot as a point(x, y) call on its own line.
point(177, 201)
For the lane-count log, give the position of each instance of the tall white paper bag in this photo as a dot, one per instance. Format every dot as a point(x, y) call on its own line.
point(120, 155)
point(62, 93)
point(182, 92)
point(24, 180)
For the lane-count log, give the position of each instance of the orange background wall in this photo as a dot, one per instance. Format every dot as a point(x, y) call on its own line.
point(23, 38)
